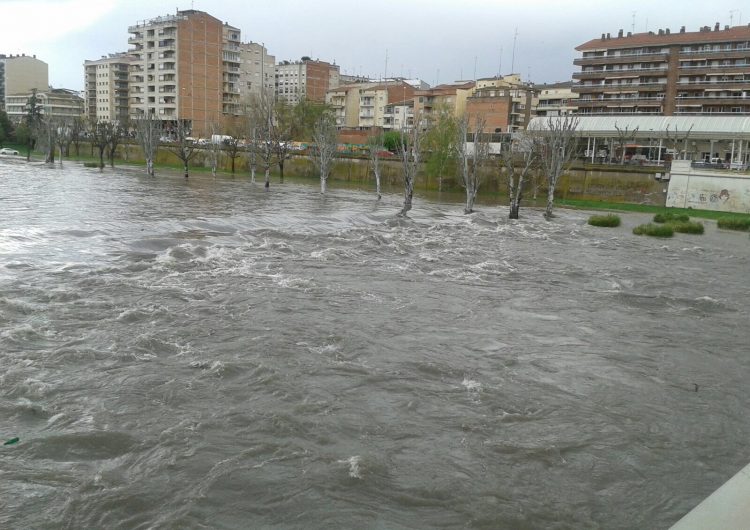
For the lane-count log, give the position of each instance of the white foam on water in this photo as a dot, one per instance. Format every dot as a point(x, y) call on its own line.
point(471, 385)
point(354, 470)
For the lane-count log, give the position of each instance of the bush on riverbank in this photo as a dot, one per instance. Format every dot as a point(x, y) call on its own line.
point(671, 218)
point(732, 223)
point(654, 230)
point(608, 221)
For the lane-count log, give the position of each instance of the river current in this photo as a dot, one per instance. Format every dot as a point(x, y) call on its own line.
point(206, 354)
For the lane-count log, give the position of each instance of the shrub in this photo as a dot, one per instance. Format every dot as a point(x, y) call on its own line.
point(689, 227)
point(609, 220)
point(733, 223)
point(653, 230)
point(671, 218)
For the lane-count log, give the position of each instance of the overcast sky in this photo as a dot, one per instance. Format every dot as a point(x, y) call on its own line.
point(435, 40)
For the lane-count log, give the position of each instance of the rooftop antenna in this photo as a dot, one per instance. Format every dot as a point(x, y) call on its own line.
point(500, 66)
point(731, 17)
point(633, 26)
point(513, 57)
point(437, 77)
point(385, 76)
point(475, 68)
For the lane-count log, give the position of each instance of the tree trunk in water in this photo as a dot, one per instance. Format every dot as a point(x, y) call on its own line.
point(514, 207)
point(322, 185)
point(470, 197)
point(268, 177)
point(377, 184)
point(233, 166)
point(186, 170)
point(550, 200)
point(281, 170)
point(252, 174)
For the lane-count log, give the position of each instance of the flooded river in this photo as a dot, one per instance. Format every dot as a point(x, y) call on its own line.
point(205, 354)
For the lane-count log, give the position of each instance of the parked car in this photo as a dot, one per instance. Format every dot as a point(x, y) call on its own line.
point(8, 151)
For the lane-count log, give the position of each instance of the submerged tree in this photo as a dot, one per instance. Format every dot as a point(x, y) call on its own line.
point(376, 148)
point(471, 160)
point(558, 144)
point(184, 148)
point(325, 137)
point(519, 157)
point(261, 116)
point(116, 132)
point(99, 135)
point(215, 146)
point(409, 151)
point(148, 132)
point(64, 134)
point(33, 119)
point(77, 128)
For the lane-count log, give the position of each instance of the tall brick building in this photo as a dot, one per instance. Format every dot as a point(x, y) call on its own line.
point(705, 72)
point(185, 67)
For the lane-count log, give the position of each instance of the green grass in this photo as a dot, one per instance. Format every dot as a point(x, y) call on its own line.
point(687, 227)
point(646, 208)
point(653, 230)
point(609, 220)
point(671, 217)
point(733, 223)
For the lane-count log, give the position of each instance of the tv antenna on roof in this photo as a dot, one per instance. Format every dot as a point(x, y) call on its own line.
point(731, 17)
point(633, 26)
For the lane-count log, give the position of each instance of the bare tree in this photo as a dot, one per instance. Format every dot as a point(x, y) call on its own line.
point(409, 148)
point(48, 138)
point(558, 143)
point(261, 116)
point(251, 153)
point(376, 147)
point(99, 137)
point(184, 148)
point(148, 132)
point(624, 135)
point(77, 128)
point(678, 141)
point(64, 133)
point(281, 127)
point(325, 136)
point(116, 133)
point(471, 161)
point(215, 146)
point(519, 157)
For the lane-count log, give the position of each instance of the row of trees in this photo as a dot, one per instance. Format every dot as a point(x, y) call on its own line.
point(460, 146)
point(265, 133)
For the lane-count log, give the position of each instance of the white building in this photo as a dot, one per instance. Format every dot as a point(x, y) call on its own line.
point(106, 88)
point(20, 74)
point(257, 70)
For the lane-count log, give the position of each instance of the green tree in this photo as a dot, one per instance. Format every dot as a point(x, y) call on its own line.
point(440, 144)
point(6, 128)
point(33, 120)
point(392, 141)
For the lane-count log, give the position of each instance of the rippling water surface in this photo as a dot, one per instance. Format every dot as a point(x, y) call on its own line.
point(205, 354)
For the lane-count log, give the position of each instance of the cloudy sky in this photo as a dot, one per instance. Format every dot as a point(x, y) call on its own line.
point(436, 40)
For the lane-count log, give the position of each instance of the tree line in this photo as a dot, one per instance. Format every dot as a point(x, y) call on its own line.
point(266, 129)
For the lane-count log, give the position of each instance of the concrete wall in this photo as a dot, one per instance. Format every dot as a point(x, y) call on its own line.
point(708, 189)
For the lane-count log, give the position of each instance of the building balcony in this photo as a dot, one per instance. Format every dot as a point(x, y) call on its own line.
point(725, 69)
point(136, 39)
point(618, 59)
point(737, 53)
point(622, 73)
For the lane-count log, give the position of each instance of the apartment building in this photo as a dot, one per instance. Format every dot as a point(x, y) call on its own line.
point(557, 99)
point(453, 97)
point(185, 67)
point(705, 72)
point(106, 87)
point(257, 70)
point(305, 79)
point(506, 103)
point(20, 74)
point(56, 103)
point(363, 105)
